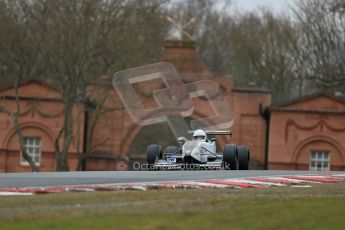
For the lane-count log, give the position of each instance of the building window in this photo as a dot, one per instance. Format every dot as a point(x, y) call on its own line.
point(319, 161)
point(32, 146)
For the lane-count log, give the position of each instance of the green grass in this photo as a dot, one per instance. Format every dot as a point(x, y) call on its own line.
point(321, 207)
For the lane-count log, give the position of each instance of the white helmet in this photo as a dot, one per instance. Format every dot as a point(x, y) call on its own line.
point(199, 135)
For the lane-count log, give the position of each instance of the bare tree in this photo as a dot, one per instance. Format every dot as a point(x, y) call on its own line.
point(100, 102)
point(305, 51)
point(320, 52)
point(84, 40)
point(18, 61)
point(73, 42)
point(253, 47)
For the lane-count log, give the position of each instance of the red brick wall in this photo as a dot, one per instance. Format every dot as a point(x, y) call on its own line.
point(250, 127)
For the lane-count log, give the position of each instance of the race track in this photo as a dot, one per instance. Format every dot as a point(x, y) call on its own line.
point(22, 180)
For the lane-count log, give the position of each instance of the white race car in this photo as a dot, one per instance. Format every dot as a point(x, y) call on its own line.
point(198, 153)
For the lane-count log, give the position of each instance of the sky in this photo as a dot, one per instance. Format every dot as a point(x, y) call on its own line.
point(242, 6)
point(277, 6)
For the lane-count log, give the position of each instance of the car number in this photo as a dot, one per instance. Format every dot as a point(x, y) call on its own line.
point(171, 160)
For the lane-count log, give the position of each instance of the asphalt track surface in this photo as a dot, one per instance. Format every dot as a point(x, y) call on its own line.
point(46, 179)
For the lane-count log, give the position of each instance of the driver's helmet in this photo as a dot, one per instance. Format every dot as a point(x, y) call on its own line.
point(199, 135)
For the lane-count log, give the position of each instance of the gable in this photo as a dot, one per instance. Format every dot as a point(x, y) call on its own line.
point(32, 89)
point(319, 102)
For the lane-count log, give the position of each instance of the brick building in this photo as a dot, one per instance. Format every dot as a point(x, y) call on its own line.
point(308, 133)
point(296, 135)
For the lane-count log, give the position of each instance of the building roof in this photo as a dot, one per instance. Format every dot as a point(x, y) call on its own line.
point(252, 90)
point(29, 82)
point(32, 89)
point(317, 102)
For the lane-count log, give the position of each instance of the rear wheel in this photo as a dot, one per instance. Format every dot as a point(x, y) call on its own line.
point(230, 157)
point(243, 157)
point(153, 153)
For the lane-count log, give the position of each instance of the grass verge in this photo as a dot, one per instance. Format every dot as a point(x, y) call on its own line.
point(320, 207)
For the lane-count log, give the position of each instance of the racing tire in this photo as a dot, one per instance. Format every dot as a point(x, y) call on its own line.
point(230, 158)
point(171, 149)
point(153, 153)
point(243, 157)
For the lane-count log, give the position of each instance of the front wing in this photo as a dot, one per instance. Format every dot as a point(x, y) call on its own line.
point(166, 165)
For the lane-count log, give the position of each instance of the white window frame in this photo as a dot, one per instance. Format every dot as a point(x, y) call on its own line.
point(31, 148)
point(317, 160)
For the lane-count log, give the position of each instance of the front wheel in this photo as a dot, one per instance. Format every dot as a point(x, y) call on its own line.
point(153, 153)
point(230, 157)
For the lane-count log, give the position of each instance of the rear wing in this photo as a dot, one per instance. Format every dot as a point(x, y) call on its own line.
point(214, 132)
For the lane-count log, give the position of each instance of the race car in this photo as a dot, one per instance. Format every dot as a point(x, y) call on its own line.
point(198, 153)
